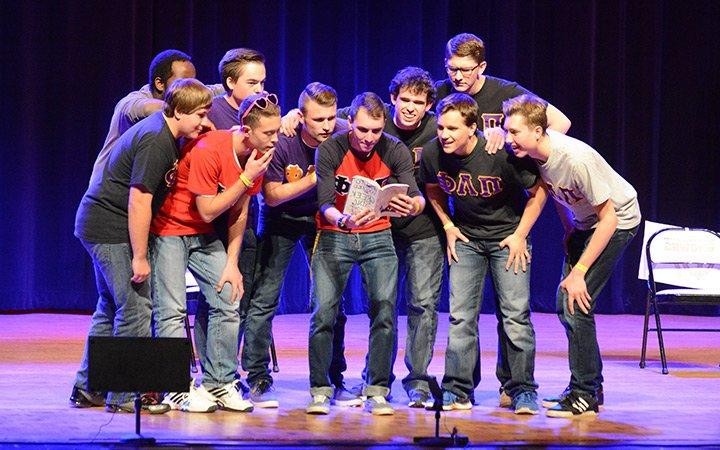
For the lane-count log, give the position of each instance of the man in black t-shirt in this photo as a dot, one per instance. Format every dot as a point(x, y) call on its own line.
point(465, 65)
point(113, 223)
point(487, 230)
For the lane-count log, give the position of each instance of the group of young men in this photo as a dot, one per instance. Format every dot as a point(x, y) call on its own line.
point(175, 191)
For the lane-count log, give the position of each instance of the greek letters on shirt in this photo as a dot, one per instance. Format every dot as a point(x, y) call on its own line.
point(342, 184)
point(492, 120)
point(464, 185)
point(171, 175)
point(564, 195)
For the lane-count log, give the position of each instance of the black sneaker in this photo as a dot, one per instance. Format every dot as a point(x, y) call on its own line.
point(549, 402)
point(574, 405)
point(129, 407)
point(80, 398)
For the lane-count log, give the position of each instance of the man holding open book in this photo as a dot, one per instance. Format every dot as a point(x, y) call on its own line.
point(362, 238)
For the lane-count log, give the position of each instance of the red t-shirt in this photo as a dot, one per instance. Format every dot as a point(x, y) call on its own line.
point(208, 165)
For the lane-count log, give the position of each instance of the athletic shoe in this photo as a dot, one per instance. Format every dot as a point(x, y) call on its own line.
point(378, 406)
point(195, 400)
point(344, 397)
point(505, 401)
point(228, 397)
point(549, 402)
point(80, 398)
point(525, 403)
point(129, 407)
point(320, 405)
point(262, 394)
point(419, 399)
point(453, 402)
point(574, 405)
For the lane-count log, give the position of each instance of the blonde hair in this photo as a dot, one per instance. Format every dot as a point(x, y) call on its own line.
point(186, 95)
point(531, 107)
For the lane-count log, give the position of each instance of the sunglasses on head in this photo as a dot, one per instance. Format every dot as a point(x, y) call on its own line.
point(261, 102)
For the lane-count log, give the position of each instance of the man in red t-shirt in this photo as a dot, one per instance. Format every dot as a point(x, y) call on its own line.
point(217, 172)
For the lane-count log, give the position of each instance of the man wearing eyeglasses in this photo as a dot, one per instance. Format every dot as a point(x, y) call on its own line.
point(287, 217)
point(465, 65)
point(217, 172)
point(362, 238)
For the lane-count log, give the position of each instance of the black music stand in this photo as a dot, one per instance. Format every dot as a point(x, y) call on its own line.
point(138, 364)
point(455, 439)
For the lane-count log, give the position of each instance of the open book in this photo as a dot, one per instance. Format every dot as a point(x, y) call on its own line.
point(368, 194)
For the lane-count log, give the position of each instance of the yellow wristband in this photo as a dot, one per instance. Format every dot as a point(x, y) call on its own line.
point(245, 180)
point(581, 267)
point(448, 225)
point(416, 208)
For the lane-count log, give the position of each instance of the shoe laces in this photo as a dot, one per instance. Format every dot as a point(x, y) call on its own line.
point(320, 398)
point(379, 399)
point(525, 397)
point(262, 387)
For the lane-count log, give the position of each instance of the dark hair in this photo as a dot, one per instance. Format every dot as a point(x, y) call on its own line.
point(466, 44)
point(462, 103)
point(232, 63)
point(414, 79)
point(371, 102)
point(161, 67)
point(322, 94)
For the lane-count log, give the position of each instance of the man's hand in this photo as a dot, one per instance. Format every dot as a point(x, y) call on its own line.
point(231, 274)
point(453, 234)
point(141, 270)
point(256, 167)
point(495, 138)
point(362, 218)
point(519, 255)
point(402, 203)
point(574, 285)
point(289, 122)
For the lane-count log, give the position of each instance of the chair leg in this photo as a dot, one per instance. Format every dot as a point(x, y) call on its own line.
point(645, 331)
point(273, 355)
point(661, 343)
point(193, 363)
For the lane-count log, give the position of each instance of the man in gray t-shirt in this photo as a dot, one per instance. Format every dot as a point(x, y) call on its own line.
point(600, 213)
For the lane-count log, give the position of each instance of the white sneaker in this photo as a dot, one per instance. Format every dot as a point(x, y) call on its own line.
point(229, 398)
point(196, 400)
point(378, 406)
point(320, 404)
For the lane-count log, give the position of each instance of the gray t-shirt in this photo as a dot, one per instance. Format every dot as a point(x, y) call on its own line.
point(580, 178)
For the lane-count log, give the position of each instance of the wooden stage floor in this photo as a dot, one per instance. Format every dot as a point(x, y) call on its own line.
point(39, 354)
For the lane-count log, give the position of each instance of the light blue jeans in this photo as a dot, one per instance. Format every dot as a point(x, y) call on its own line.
point(334, 257)
point(516, 356)
point(205, 257)
point(123, 309)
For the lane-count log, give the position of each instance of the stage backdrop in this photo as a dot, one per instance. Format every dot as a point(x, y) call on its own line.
point(639, 80)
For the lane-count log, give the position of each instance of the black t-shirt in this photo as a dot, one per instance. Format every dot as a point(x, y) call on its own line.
point(145, 155)
point(489, 98)
point(488, 191)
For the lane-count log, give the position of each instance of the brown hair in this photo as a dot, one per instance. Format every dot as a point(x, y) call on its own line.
point(186, 95)
point(462, 103)
point(252, 117)
point(532, 108)
point(231, 65)
point(322, 94)
point(369, 101)
point(466, 44)
point(414, 79)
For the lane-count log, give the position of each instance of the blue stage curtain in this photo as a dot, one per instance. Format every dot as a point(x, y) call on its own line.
point(638, 80)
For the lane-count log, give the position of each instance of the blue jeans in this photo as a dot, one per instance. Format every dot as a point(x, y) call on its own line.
point(423, 272)
point(205, 257)
point(467, 278)
point(583, 351)
point(123, 309)
point(275, 249)
point(334, 257)
point(246, 264)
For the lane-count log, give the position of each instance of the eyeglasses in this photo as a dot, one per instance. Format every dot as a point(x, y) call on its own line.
point(262, 102)
point(464, 71)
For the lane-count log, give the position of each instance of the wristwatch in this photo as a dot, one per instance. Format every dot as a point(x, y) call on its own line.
point(340, 223)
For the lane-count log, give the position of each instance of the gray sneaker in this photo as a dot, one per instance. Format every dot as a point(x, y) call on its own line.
point(262, 395)
point(378, 406)
point(319, 405)
point(343, 397)
point(525, 403)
